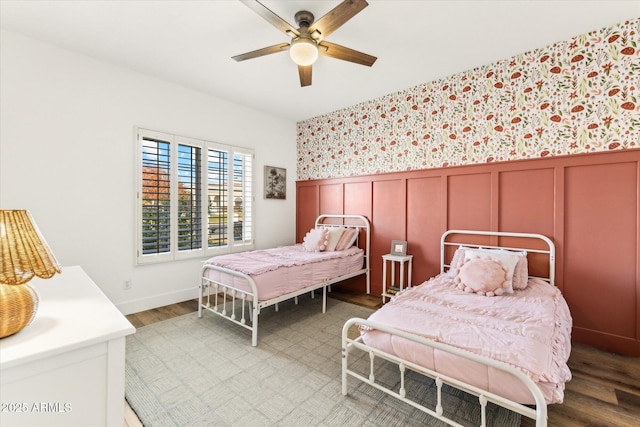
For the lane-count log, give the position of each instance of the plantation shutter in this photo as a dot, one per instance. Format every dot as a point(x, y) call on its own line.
point(155, 198)
point(243, 198)
point(189, 198)
point(218, 196)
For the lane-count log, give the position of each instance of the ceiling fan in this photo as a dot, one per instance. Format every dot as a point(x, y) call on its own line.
point(308, 40)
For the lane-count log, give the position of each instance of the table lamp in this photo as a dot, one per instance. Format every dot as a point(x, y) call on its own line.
point(23, 254)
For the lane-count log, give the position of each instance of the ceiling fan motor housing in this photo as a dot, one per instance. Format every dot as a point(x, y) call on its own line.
point(304, 18)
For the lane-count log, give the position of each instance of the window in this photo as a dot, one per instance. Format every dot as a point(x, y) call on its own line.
point(194, 198)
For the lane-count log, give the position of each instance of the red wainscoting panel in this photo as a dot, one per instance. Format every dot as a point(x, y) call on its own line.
point(527, 202)
point(357, 201)
point(331, 199)
point(588, 205)
point(424, 225)
point(601, 255)
point(469, 201)
point(389, 214)
point(357, 198)
point(307, 208)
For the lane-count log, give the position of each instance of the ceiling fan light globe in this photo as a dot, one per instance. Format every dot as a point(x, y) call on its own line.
point(303, 51)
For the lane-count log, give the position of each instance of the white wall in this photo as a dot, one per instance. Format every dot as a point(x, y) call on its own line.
point(67, 153)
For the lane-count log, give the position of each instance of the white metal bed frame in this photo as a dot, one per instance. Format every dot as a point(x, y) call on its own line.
point(219, 296)
point(539, 414)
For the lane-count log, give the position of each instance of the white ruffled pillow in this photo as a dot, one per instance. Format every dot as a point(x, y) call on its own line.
point(316, 240)
point(457, 259)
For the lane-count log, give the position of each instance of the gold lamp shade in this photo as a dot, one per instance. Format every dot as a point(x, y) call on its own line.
point(23, 254)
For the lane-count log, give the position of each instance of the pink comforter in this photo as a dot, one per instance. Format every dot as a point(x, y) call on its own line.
point(530, 329)
point(261, 261)
point(281, 271)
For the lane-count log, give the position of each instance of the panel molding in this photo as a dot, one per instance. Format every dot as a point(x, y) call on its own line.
point(454, 210)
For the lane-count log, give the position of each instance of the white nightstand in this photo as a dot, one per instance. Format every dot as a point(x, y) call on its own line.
point(404, 262)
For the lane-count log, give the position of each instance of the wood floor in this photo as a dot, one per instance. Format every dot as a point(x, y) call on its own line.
point(604, 391)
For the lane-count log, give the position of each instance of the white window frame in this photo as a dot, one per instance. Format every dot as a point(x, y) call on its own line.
point(174, 253)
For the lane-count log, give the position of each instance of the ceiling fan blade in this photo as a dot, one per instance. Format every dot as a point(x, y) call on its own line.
point(336, 17)
point(340, 52)
point(271, 17)
point(262, 52)
point(305, 75)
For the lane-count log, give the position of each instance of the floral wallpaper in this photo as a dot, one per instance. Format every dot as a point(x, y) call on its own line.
point(576, 96)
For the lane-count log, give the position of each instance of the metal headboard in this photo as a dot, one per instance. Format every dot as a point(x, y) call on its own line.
point(360, 222)
point(550, 252)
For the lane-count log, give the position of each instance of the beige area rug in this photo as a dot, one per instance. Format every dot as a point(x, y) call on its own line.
point(188, 371)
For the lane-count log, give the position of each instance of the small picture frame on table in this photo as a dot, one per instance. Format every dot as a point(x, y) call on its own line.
point(399, 247)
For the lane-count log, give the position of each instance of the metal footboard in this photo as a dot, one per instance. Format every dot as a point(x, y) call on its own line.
point(350, 344)
point(219, 296)
point(221, 299)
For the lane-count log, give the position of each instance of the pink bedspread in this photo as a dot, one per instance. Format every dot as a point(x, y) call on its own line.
point(530, 329)
point(281, 271)
point(261, 261)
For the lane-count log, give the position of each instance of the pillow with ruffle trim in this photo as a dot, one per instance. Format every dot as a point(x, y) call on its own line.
point(316, 240)
point(457, 259)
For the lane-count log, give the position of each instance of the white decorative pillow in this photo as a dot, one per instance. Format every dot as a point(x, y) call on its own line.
point(348, 238)
point(316, 240)
point(521, 271)
point(506, 258)
point(483, 276)
point(457, 259)
point(334, 236)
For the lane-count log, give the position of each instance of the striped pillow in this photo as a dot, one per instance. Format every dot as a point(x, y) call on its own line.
point(347, 239)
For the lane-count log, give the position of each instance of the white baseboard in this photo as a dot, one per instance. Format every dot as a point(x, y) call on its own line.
point(155, 301)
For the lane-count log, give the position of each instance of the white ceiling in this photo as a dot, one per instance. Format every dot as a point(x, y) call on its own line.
point(191, 42)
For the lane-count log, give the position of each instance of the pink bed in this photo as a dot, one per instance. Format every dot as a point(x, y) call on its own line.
point(504, 336)
point(530, 329)
point(283, 270)
point(337, 248)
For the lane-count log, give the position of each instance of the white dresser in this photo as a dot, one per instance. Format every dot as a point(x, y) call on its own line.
point(67, 367)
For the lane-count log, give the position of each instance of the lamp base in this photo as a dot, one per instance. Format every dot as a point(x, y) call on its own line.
point(18, 305)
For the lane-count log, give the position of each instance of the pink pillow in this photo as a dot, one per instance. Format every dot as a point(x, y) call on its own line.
point(506, 258)
point(316, 240)
point(483, 276)
point(521, 273)
point(334, 237)
point(347, 239)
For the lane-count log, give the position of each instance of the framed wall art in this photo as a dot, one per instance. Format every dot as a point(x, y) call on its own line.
point(275, 183)
point(398, 247)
